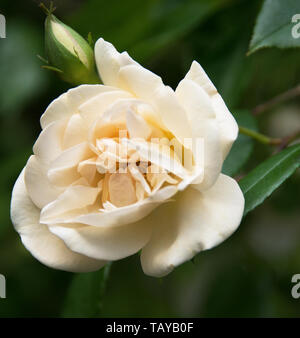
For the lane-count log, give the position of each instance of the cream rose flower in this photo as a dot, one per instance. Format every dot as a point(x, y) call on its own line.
point(108, 177)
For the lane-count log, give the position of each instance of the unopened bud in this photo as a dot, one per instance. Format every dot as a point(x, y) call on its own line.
point(69, 53)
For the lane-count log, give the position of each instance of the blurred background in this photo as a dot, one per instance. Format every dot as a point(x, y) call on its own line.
point(248, 275)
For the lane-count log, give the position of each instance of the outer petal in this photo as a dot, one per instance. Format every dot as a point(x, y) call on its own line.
point(48, 146)
point(109, 61)
point(67, 104)
point(198, 106)
point(38, 186)
point(140, 81)
point(228, 125)
point(197, 221)
point(195, 100)
point(105, 243)
point(44, 246)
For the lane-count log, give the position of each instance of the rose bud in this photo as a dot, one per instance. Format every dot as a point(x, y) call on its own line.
point(69, 53)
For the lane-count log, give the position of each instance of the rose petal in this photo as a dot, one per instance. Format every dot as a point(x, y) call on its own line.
point(105, 243)
point(121, 216)
point(227, 123)
point(121, 189)
point(195, 100)
point(195, 222)
point(149, 87)
point(105, 130)
point(74, 197)
point(158, 176)
point(137, 126)
point(67, 104)
point(205, 127)
point(38, 186)
point(158, 154)
point(87, 169)
point(76, 132)
point(92, 109)
point(172, 114)
point(59, 109)
point(198, 75)
point(117, 111)
point(36, 237)
point(48, 146)
point(140, 81)
point(63, 170)
point(109, 61)
point(138, 176)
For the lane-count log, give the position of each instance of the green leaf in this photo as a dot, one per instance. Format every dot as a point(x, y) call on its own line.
point(85, 295)
point(264, 179)
point(274, 25)
point(242, 147)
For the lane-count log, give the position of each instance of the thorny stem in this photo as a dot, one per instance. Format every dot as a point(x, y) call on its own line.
point(290, 94)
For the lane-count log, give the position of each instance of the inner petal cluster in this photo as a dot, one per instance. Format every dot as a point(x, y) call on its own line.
point(125, 157)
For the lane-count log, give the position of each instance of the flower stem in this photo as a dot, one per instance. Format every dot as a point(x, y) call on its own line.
point(103, 286)
point(47, 11)
point(260, 137)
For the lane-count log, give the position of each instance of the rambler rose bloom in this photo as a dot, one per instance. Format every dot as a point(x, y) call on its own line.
point(127, 166)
